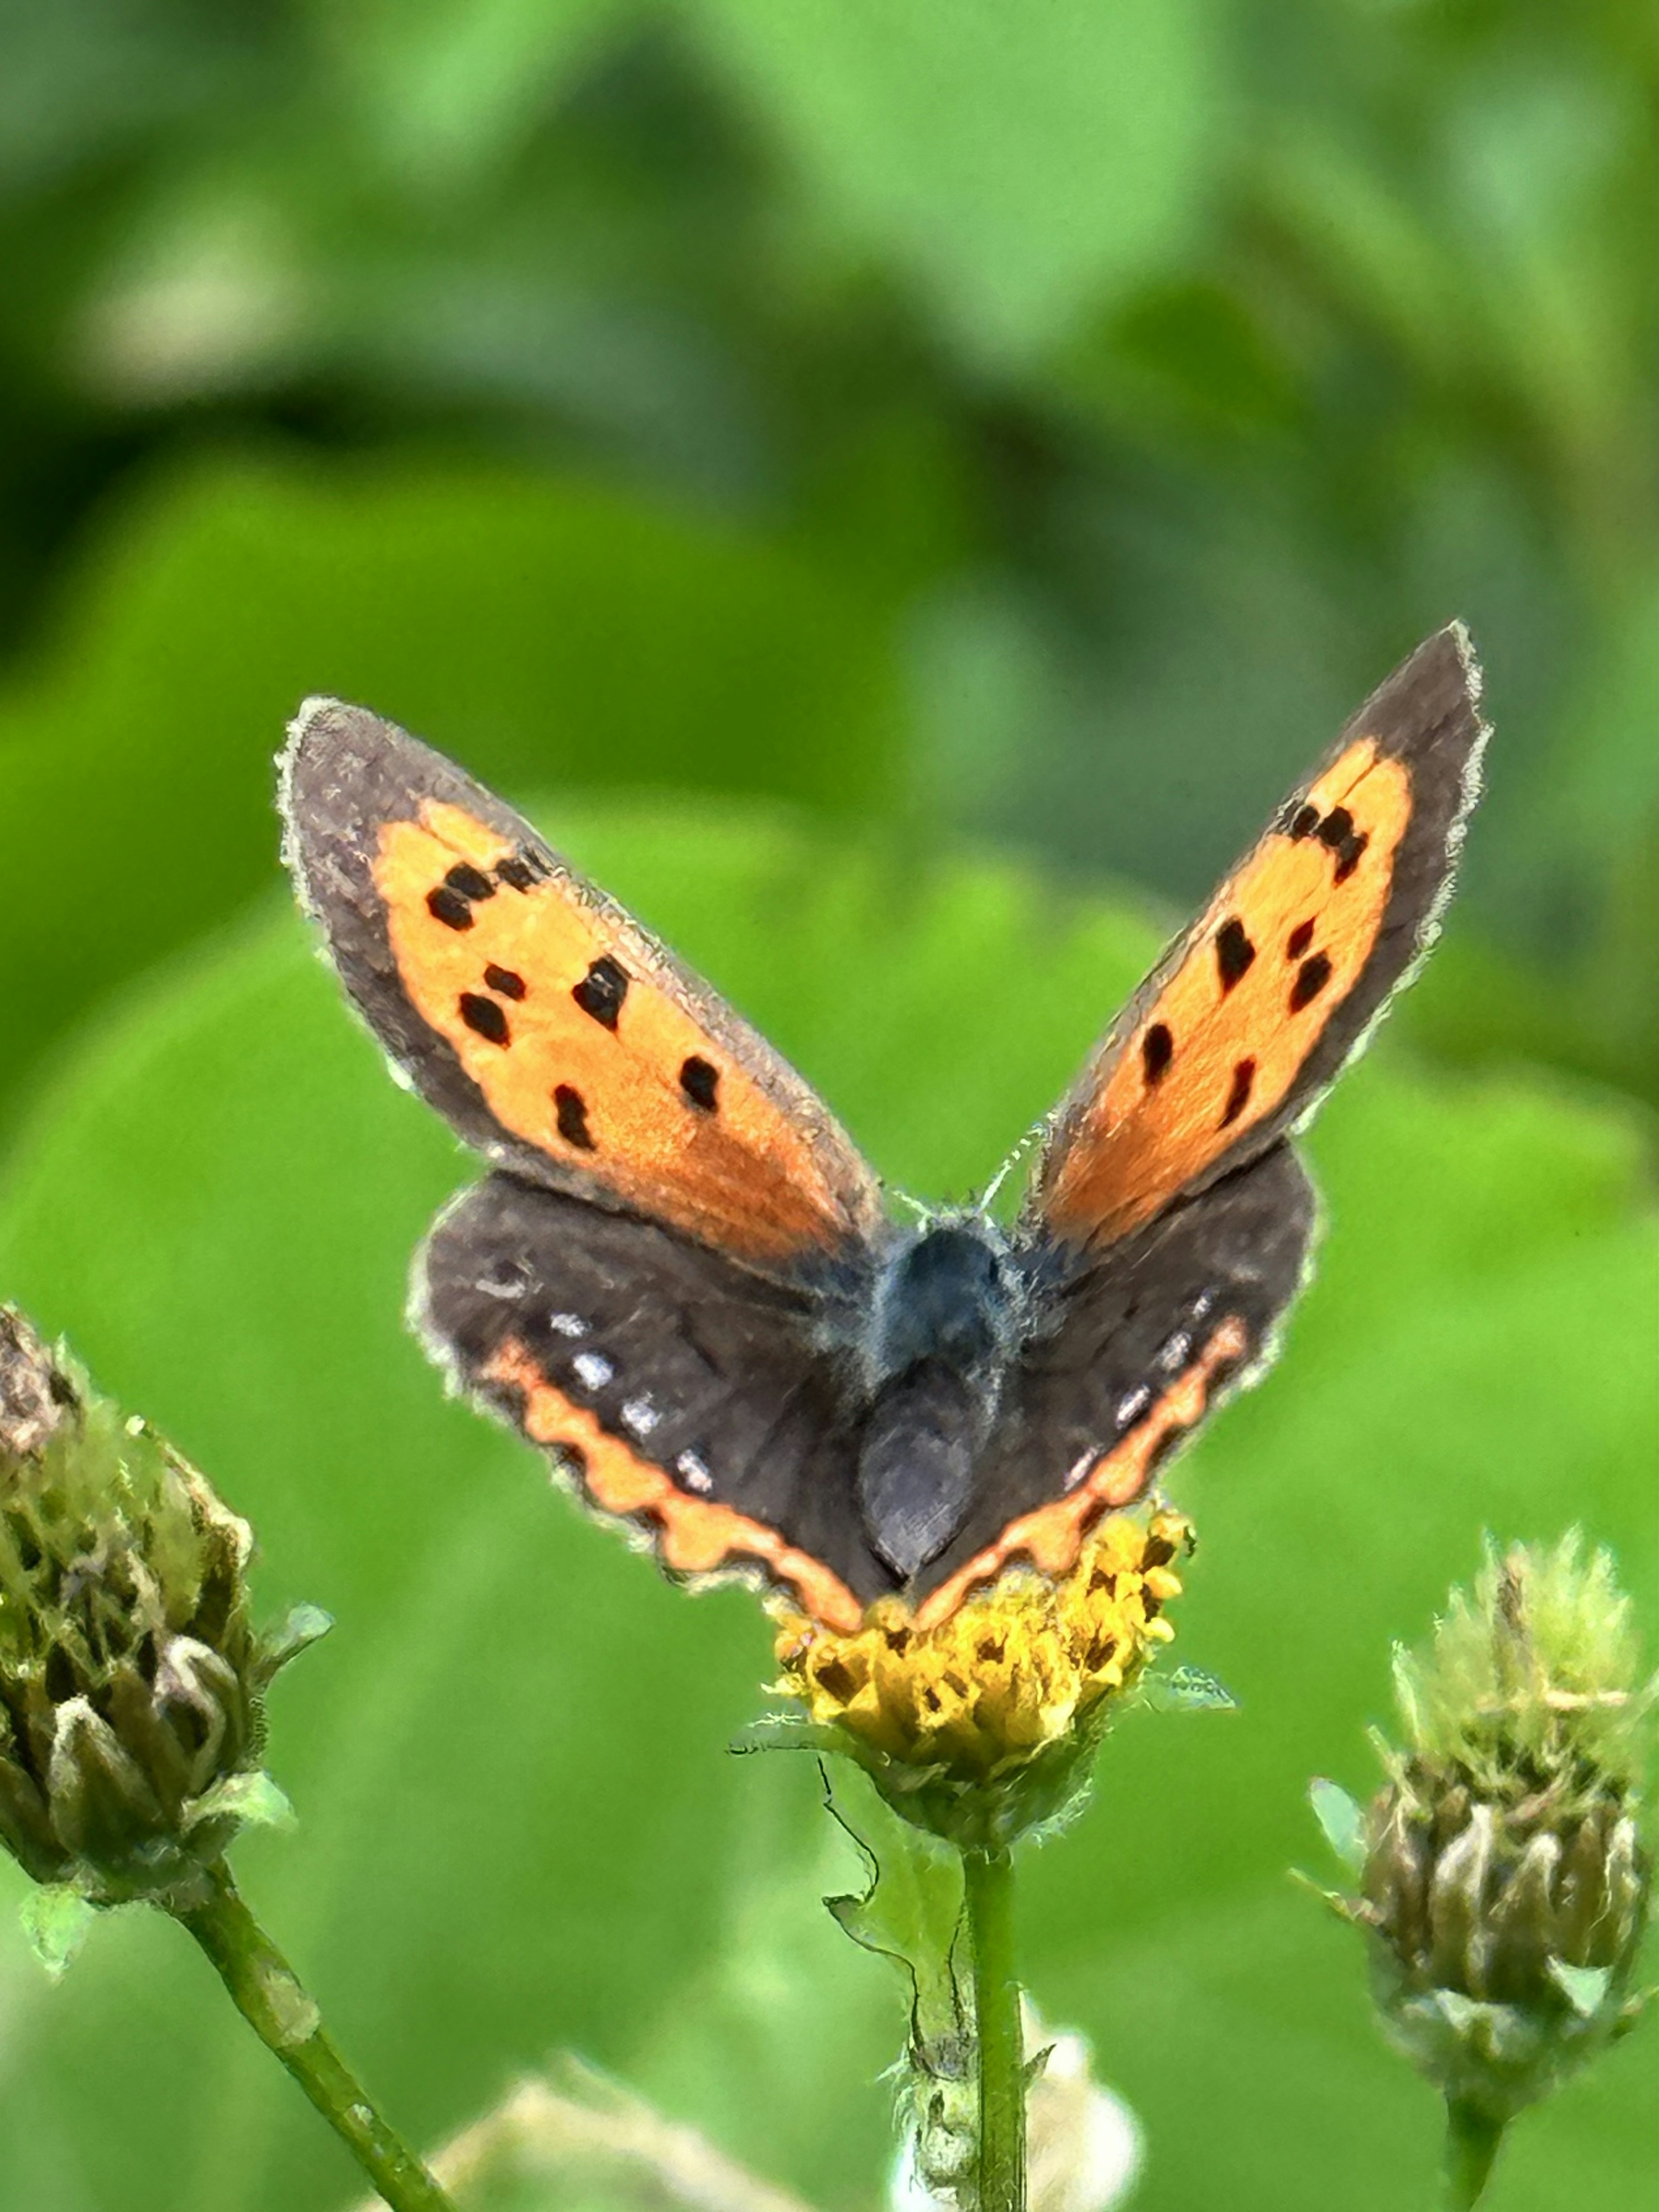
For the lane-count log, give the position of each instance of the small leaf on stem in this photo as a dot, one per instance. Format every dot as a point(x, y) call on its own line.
point(1342, 1822)
point(56, 1920)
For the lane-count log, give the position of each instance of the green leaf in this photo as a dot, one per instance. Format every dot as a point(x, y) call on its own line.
point(1019, 163)
point(56, 1920)
point(1184, 1690)
point(788, 1732)
point(1341, 1821)
point(1585, 1988)
point(301, 1627)
point(253, 1799)
point(910, 1909)
point(447, 89)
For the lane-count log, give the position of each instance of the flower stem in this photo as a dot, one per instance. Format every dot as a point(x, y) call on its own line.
point(1473, 2138)
point(988, 1882)
point(265, 1990)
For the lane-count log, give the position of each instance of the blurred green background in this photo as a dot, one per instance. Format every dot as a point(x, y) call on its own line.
point(900, 489)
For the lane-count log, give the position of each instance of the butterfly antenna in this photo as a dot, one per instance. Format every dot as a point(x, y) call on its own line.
point(1018, 1157)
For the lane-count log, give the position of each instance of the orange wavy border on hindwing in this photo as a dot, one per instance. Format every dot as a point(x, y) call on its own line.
point(1052, 1536)
point(1222, 1044)
point(692, 1535)
point(582, 1046)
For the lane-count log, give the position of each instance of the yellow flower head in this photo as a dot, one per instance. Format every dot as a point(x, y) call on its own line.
point(1016, 1673)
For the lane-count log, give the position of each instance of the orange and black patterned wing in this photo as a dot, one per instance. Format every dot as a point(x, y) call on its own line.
point(1231, 1040)
point(682, 1393)
point(536, 1016)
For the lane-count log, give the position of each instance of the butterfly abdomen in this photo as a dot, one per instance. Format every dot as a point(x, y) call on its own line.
point(943, 1323)
point(917, 1460)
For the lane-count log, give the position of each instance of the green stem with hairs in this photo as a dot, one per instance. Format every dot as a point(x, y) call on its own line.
point(1473, 2138)
point(988, 1884)
point(265, 1990)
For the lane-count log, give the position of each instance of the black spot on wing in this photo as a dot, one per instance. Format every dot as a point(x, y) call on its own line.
point(700, 1083)
point(601, 992)
point(1239, 1096)
point(1234, 952)
point(1311, 979)
point(447, 906)
point(472, 883)
point(485, 1017)
point(1300, 939)
point(1336, 829)
point(1156, 1051)
point(507, 980)
point(570, 1108)
point(1303, 823)
point(522, 870)
point(1350, 855)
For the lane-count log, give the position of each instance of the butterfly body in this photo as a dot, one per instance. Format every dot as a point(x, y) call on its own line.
point(943, 1328)
point(682, 1280)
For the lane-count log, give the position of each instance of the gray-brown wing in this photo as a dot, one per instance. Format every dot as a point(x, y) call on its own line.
point(686, 1394)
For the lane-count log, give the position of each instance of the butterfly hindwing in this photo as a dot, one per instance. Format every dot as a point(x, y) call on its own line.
point(1131, 1346)
point(1235, 1036)
point(552, 1032)
point(683, 1392)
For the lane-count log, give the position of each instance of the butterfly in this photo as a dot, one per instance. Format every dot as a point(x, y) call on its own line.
point(680, 1277)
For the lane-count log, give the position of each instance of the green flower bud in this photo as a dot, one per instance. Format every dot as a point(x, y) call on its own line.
point(1504, 1881)
point(132, 1684)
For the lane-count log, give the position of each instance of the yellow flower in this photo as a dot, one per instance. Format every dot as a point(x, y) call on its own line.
point(1011, 1674)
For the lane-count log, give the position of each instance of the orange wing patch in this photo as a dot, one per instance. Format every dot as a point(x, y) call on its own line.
point(693, 1535)
point(1279, 948)
point(1052, 1536)
point(581, 1041)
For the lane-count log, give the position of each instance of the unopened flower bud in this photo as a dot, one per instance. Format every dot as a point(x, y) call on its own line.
point(132, 1684)
point(1503, 1883)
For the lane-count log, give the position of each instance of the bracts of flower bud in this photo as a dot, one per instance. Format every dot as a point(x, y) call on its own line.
point(131, 1682)
point(1503, 1878)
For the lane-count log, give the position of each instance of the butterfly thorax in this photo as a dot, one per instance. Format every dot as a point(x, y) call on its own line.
point(943, 1326)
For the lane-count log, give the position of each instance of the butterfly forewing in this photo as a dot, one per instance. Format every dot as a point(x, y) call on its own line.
point(1234, 1036)
point(538, 1015)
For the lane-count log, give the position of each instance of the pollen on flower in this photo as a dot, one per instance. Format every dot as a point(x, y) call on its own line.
point(1012, 1671)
